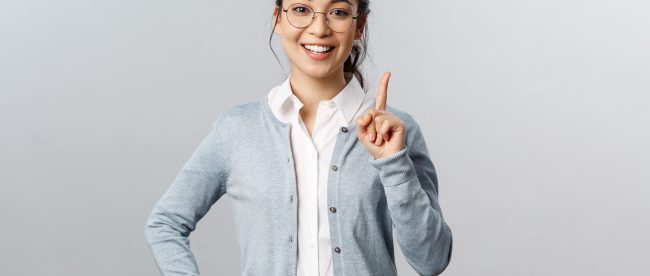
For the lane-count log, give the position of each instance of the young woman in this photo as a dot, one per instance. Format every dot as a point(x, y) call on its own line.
point(318, 172)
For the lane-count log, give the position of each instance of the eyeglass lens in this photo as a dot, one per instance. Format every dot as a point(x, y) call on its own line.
point(301, 16)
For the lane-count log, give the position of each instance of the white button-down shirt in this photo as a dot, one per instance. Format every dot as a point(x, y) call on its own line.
point(312, 156)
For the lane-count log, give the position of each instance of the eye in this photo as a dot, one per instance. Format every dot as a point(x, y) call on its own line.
point(339, 13)
point(300, 9)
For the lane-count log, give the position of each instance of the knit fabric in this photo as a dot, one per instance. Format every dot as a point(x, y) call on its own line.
point(247, 156)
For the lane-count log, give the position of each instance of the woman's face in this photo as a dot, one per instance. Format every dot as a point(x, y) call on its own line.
point(295, 40)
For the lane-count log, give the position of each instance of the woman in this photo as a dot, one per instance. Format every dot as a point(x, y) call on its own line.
point(313, 193)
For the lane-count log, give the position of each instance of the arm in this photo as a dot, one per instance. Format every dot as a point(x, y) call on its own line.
point(411, 186)
point(198, 185)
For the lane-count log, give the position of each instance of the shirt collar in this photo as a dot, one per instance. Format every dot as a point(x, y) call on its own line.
point(348, 100)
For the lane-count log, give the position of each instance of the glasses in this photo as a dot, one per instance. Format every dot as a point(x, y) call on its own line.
point(301, 16)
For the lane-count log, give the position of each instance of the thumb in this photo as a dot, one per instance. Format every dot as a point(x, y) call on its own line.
point(362, 125)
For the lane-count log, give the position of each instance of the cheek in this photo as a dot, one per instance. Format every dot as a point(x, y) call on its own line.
point(290, 38)
point(288, 34)
point(345, 45)
point(289, 46)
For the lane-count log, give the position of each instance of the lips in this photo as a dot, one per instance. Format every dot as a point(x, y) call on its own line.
point(317, 52)
point(318, 48)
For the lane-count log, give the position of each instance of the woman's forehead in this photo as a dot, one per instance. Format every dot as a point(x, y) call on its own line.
point(324, 2)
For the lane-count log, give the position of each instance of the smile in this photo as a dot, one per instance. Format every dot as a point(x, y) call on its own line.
point(318, 49)
point(317, 52)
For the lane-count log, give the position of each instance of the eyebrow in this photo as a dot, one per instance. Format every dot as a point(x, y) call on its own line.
point(336, 1)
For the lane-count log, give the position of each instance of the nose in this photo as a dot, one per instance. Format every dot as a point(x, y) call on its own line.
point(319, 27)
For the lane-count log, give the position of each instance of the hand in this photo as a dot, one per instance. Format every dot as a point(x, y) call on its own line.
point(381, 132)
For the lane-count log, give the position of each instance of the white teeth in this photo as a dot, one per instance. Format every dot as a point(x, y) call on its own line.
point(318, 49)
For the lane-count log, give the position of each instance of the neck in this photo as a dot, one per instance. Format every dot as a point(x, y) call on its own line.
point(311, 90)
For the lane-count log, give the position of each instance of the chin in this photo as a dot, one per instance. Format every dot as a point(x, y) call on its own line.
point(317, 72)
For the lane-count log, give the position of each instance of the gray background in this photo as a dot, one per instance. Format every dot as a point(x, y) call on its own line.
point(535, 113)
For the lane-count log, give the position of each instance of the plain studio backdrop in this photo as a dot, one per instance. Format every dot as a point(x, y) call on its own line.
point(536, 115)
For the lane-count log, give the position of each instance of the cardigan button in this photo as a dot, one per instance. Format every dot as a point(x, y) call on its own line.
point(332, 209)
point(337, 250)
point(334, 168)
point(344, 129)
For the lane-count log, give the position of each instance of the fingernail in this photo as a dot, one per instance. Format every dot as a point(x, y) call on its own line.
point(368, 137)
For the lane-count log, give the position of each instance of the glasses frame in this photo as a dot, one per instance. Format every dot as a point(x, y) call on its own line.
point(313, 17)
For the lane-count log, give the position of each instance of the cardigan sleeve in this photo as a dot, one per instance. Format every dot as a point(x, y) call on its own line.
point(198, 185)
point(411, 186)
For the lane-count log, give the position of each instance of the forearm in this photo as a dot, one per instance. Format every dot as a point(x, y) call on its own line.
point(169, 245)
point(410, 185)
point(198, 185)
point(422, 233)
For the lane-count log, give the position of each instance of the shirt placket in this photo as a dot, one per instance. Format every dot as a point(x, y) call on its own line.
point(308, 202)
point(309, 192)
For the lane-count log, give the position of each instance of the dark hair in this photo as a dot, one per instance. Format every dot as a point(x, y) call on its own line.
point(359, 50)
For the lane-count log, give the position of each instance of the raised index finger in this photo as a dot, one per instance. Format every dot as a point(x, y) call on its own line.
point(382, 92)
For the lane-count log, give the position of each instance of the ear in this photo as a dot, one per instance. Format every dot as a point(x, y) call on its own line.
point(277, 21)
point(361, 22)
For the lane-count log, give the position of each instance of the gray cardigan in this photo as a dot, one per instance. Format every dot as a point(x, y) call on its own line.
point(247, 155)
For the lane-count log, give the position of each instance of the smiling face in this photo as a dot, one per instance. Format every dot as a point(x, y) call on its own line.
point(316, 50)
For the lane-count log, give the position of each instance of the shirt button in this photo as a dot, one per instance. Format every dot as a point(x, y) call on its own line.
point(332, 209)
point(334, 168)
point(337, 250)
point(344, 129)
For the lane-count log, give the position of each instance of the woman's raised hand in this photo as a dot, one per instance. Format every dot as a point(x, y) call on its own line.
point(381, 132)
